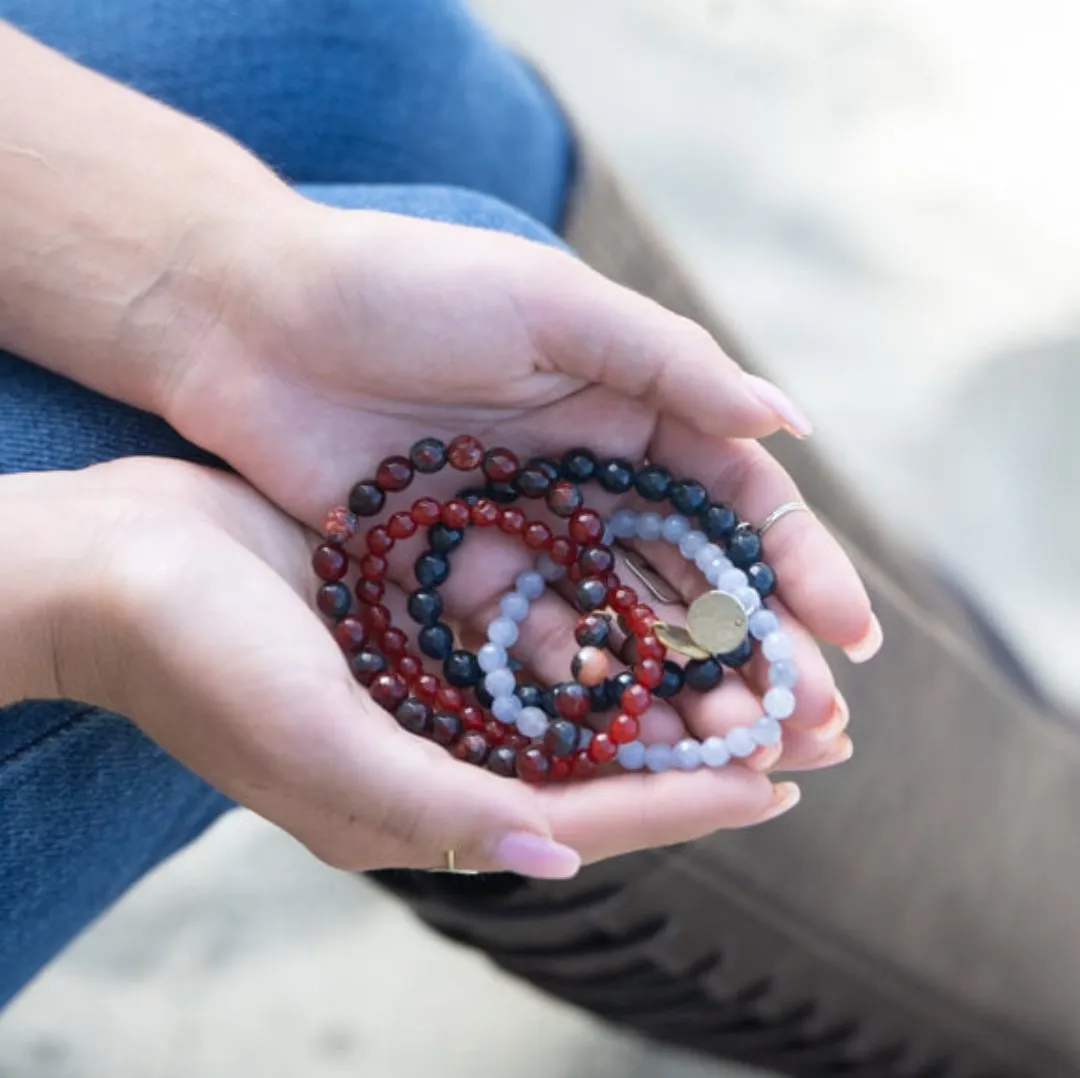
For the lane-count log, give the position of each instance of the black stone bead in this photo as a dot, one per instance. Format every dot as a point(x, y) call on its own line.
point(744, 546)
point(762, 578)
point(425, 606)
point(471, 495)
point(365, 499)
point(718, 521)
point(436, 641)
point(578, 464)
point(740, 656)
point(483, 697)
point(461, 669)
point(672, 682)
point(591, 593)
point(616, 476)
point(445, 727)
point(442, 539)
point(688, 496)
point(703, 675)
point(602, 696)
point(653, 483)
point(501, 493)
point(428, 455)
point(502, 760)
point(545, 465)
point(530, 695)
point(561, 738)
point(592, 631)
point(531, 483)
point(367, 664)
point(431, 569)
point(414, 715)
point(549, 703)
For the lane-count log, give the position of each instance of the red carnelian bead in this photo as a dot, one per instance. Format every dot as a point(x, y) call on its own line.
point(339, 525)
point(455, 513)
point(394, 643)
point(561, 767)
point(473, 717)
point(584, 768)
point(640, 618)
point(449, 698)
point(495, 732)
point(649, 672)
point(574, 573)
point(602, 749)
point(537, 536)
point(425, 511)
point(395, 473)
point(427, 687)
point(562, 551)
point(532, 765)
point(329, 563)
point(635, 699)
point(373, 567)
point(596, 560)
point(517, 740)
point(465, 453)
point(376, 618)
point(512, 521)
point(389, 690)
point(624, 729)
point(370, 592)
point(409, 665)
point(485, 513)
point(350, 635)
point(500, 465)
point(623, 599)
point(401, 526)
point(648, 647)
point(586, 526)
point(379, 540)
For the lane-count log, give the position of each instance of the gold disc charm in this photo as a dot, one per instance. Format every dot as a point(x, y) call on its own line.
point(717, 622)
point(678, 639)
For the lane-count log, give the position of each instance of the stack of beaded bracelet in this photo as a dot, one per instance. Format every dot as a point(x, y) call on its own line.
point(526, 730)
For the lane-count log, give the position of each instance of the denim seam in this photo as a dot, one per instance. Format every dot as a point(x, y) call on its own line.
point(48, 736)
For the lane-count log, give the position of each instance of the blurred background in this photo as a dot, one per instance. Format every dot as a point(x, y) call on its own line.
point(880, 198)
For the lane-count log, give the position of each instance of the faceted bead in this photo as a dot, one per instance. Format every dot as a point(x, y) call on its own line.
point(762, 578)
point(431, 569)
point(465, 453)
point(561, 737)
point(532, 722)
point(584, 768)
point(373, 567)
point(401, 526)
point(624, 728)
point(427, 687)
point(649, 672)
point(503, 493)
point(732, 580)
point(649, 526)
point(503, 632)
point(409, 666)
point(449, 698)
point(714, 752)
point(564, 499)
point(602, 750)
point(596, 560)
point(428, 455)
point(689, 497)
point(532, 482)
point(686, 755)
point(472, 747)
point(330, 563)
point(561, 552)
point(649, 647)
point(783, 673)
point(334, 599)
point(484, 513)
point(394, 643)
point(640, 619)
point(779, 703)
point(586, 527)
point(506, 709)
point(763, 622)
point(414, 715)
point(494, 730)
point(376, 619)
point(672, 683)
point(632, 756)
point(367, 664)
point(718, 521)
point(379, 540)
point(740, 742)
point(674, 528)
point(350, 635)
point(461, 669)
point(533, 765)
point(500, 465)
point(592, 630)
point(445, 727)
point(547, 466)
point(537, 536)
point(616, 476)
point(455, 514)
point(578, 465)
point(658, 757)
point(339, 525)
point(444, 540)
point(389, 691)
point(703, 675)
point(748, 599)
point(530, 695)
point(436, 641)
point(562, 768)
point(366, 499)
point(744, 546)
point(777, 645)
point(425, 606)
point(653, 482)
point(591, 593)
point(512, 521)
point(502, 760)
point(500, 682)
point(394, 473)
point(709, 555)
point(590, 666)
point(623, 599)
point(492, 657)
point(572, 700)
point(426, 511)
point(635, 699)
point(691, 543)
point(740, 656)
point(766, 731)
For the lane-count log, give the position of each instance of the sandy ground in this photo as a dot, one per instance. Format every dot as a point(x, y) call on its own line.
point(880, 196)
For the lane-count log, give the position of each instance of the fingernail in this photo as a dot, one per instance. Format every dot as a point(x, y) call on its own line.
point(865, 649)
point(841, 752)
point(786, 796)
point(765, 759)
point(835, 725)
point(533, 855)
point(776, 400)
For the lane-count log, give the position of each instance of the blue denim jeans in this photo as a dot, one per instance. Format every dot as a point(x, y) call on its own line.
point(409, 106)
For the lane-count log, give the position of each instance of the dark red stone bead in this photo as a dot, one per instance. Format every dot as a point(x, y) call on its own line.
point(340, 525)
point(456, 513)
point(334, 599)
point(502, 760)
point(500, 465)
point(450, 698)
point(573, 572)
point(389, 691)
point(635, 699)
point(465, 453)
point(373, 567)
point(584, 768)
point(612, 581)
point(512, 521)
point(394, 643)
point(485, 513)
point(623, 729)
point(649, 672)
point(495, 732)
point(445, 726)
point(533, 765)
point(350, 635)
point(517, 740)
point(366, 665)
point(592, 630)
point(591, 594)
point(471, 747)
point(561, 769)
point(414, 716)
point(370, 592)
point(395, 473)
point(425, 511)
point(564, 499)
point(586, 526)
point(473, 717)
point(648, 647)
point(376, 618)
point(596, 560)
point(562, 551)
point(408, 665)
point(379, 540)
point(602, 749)
point(427, 687)
point(329, 562)
point(561, 738)
point(640, 619)
point(624, 599)
point(401, 526)
point(572, 701)
point(537, 536)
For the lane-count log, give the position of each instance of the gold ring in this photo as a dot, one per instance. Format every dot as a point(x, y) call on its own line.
point(450, 865)
point(782, 511)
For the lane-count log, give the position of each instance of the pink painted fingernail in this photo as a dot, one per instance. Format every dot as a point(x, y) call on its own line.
point(777, 401)
point(865, 649)
point(533, 855)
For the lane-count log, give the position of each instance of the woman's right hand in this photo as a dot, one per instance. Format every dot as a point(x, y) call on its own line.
point(181, 598)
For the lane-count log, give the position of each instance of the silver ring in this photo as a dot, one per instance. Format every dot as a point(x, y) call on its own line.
point(781, 512)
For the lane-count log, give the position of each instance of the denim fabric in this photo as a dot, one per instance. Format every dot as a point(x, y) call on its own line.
point(335, 92)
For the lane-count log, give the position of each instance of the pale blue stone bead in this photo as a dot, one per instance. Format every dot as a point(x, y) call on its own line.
point(492, 657)
point(740, 742)
point(687, 754)
point(714, 752)
point(506, 709)
point(674, 528)
point(658, 757)
point(732, 580)
point(779, 703)
point(548, 569)
point(530, 583)
point(623, 523)
point(532, 722)
point(503, 632)
point(716, 571)
point(691, 543)
point(763, 622)
point(748, 599)
point(514, 606)
point(766, 730)
point(783, 673)
point(648, 526)
point(632, 755)
point(708, 554)
point(777, 645)
point(585, 736)
point(500, 682)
